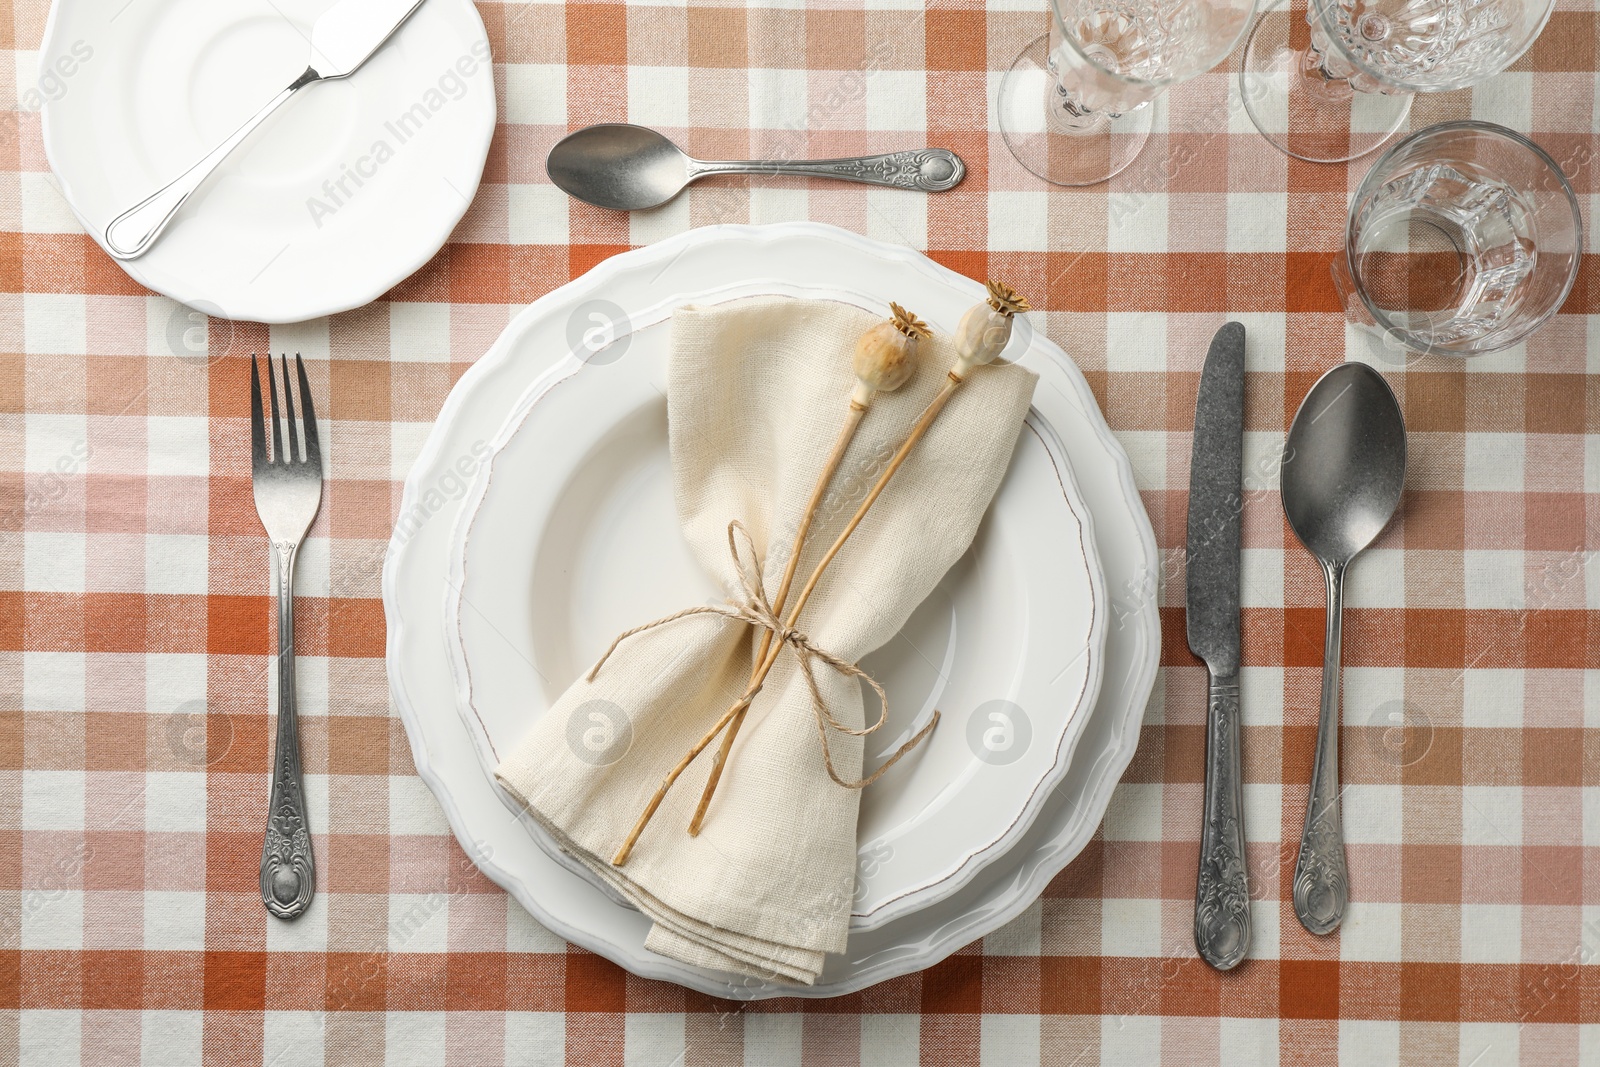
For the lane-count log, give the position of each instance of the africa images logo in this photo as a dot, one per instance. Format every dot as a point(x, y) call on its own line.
point(599, 732)
point(198, 737)
point(197, 338)
point(598, 332)
point(998, 732)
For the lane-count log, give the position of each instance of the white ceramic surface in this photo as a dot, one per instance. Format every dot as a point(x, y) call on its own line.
point(350, 188)
point(569, 536)
point(416, 578)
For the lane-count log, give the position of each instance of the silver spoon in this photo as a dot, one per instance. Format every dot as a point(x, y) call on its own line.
point(1342, 476)
point(629, 167)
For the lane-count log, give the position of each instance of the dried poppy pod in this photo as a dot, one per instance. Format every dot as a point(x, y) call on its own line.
point(985, 329)
point(886, 355)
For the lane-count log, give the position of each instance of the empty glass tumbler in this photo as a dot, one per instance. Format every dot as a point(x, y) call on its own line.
point(1463, 239)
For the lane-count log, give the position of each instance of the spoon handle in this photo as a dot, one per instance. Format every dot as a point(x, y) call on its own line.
point(1321, 885)
point(932, 170)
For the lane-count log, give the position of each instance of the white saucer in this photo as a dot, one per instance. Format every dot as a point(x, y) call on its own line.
point(350, 188)
point(570, 536)
point(416, 578)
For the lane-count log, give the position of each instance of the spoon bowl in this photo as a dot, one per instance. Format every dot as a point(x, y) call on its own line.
point(1347, 463)
point(1343, 474)
point(618, 165)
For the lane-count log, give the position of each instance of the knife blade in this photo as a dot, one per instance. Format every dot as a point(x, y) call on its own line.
point(347, 34)
point(1216, 505)
point(343, 38)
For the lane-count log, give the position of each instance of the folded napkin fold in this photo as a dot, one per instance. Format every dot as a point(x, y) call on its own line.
point(757, 390)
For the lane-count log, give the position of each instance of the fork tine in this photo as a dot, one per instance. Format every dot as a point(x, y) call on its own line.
point(313, 444)
point(288, 411)
point(272, 389)
point(258, 429)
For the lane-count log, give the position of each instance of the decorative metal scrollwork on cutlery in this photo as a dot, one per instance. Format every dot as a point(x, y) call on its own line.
point(287, 485)
point(1216, 477)
point(1222, 896)
point(1321, 883)
point(932, 170)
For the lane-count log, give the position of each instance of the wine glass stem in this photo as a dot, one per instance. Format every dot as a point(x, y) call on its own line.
point(1065, 109)
point(1328, 73)
point(1069, 116)
point(1320, 64)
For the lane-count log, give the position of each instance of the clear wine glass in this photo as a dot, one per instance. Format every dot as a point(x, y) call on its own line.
point(1074, 107)
point(1331, 80)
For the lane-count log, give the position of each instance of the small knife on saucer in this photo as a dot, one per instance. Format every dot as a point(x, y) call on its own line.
point(1216, 503)
point(342, 39)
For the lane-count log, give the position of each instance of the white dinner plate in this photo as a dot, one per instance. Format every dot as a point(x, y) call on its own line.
point(348, 189)
point(416, 579)
point(570, 536)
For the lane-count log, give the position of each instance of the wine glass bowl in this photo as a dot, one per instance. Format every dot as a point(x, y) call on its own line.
point(1074, 106)
point(1428, 45)
point(1331, 80)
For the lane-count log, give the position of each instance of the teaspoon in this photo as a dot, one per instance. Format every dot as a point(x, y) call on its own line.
point(1342, 478)
point(629, 168)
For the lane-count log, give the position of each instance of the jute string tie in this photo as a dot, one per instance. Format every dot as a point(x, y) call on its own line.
point(756, 610)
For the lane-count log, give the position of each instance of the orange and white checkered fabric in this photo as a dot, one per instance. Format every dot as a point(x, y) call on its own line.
point(135, 609)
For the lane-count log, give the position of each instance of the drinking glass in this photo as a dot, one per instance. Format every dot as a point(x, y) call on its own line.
point(1330, 80)
point(1463, 239)
point(1074, 107)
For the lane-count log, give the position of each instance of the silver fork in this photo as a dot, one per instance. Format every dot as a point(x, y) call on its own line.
point(288, 491)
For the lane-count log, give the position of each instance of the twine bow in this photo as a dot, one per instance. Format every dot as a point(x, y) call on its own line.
point(756, 610)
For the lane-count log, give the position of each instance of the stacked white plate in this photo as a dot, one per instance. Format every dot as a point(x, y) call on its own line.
point(1039, 647)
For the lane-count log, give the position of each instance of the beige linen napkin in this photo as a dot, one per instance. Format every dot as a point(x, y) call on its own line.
point(757, 391)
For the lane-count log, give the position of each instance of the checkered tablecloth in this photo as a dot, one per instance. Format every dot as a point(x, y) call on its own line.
point(135, 617)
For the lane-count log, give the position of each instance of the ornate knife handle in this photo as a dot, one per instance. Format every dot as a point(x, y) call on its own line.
point(932, 170)
point(1222, 897)
point(288, 875)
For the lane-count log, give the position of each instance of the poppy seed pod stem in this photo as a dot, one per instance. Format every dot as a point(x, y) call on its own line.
point(885, 359)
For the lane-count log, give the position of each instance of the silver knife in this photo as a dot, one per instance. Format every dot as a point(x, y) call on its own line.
point(341, 40)
point(1222, 895)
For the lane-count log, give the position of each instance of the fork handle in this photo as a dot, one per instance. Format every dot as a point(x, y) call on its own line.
point(287, 873)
